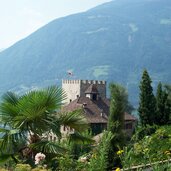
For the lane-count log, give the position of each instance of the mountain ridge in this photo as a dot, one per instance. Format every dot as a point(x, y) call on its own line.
point(114, 41)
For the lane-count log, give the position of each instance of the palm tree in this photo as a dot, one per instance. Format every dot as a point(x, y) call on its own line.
point(27, 118)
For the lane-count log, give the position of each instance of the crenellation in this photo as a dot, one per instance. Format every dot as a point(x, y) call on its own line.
point(90, 81)
point(75, 88)
point(83, 82)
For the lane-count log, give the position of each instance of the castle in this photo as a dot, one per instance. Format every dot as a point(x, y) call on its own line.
point(90, 96)
point(77, 88)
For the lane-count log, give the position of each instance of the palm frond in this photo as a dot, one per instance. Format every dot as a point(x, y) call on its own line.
point(4, 158)
point(55, 94)
point(33, 110)
point(10, 97)
point(8, 108)
point(55, 127)
point(75, 120)
point(37, 112)
point(80, 139)
point(9, 140)
point(48, 147)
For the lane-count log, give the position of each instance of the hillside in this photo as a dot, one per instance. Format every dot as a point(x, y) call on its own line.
point(114, 41)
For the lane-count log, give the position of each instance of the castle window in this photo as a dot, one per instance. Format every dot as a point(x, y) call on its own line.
point(94, 97)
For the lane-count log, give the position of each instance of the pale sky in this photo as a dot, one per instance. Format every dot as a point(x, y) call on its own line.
point(19, 18)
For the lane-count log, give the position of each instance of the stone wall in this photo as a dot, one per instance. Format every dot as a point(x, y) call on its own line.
point(72, 89)
point(75, 88)
point(101, 87)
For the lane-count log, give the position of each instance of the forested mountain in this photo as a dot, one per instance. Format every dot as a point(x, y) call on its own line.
point(114, 41)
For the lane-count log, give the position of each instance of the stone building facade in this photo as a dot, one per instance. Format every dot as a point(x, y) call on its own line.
point(77, 88)
point(90, 96)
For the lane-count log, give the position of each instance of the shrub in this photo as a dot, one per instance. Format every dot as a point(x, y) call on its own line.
point(23, 167)
point(141, 132)
point(99, 160)
point(67, 163)
point(2, 169)
point(150, 149)
point(39, 169)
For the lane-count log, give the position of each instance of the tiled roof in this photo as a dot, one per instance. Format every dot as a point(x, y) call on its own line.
point(95, 111)
point(128, 117)
point(92, 89)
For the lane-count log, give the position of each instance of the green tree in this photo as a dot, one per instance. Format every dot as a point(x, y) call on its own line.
point(163, 106)
point(147, 103)
point(99, 160)
point(30, 119)
point(118, 104)
point(168, 90)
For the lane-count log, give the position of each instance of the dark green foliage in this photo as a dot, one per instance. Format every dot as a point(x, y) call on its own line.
point(147, 102)
point(79, 144)
point(118, 103)
point(168, 90)
point(100, 159)
point(141, 132)
point(30, 119)
point(163, 106)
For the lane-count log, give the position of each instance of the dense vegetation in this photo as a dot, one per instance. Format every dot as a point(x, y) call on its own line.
point(118, 105)
point(28, 121)
point(114, 42)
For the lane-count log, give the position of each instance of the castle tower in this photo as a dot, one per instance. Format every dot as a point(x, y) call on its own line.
point(79, 88)
point(92, 92)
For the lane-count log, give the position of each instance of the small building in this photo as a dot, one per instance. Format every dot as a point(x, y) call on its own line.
point(94, 104)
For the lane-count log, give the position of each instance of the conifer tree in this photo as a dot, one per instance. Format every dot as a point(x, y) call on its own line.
point(168, 90)
point(118, 103)
point(147, 103)
point(163, 106)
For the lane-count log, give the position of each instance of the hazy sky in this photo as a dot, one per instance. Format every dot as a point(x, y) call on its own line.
point(19, 18)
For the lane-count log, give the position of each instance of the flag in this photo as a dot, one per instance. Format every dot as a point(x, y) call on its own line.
point(70, 73)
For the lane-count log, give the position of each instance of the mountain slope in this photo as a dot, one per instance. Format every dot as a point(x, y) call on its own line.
point(114, 41)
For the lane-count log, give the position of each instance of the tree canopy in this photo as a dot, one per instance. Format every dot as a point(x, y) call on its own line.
point(147, 102)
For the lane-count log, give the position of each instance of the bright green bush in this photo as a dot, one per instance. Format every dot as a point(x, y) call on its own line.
point(2, 169)
point(39, 169)
point(67, 163)
point(22, 167)
point(99, 159)
point(150, 149)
